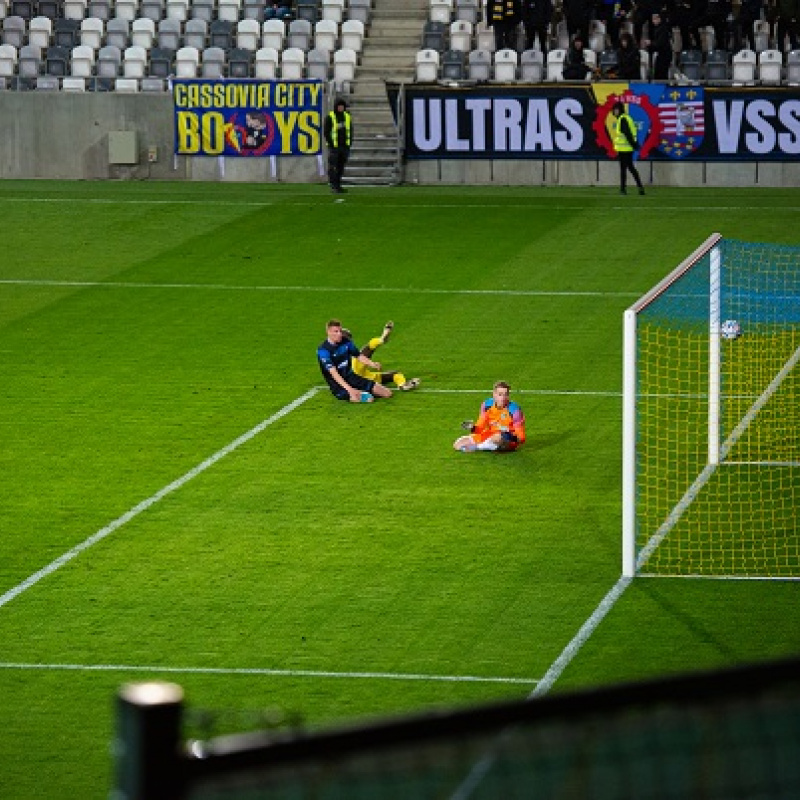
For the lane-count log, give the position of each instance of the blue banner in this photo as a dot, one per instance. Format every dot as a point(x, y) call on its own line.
point(248, 118)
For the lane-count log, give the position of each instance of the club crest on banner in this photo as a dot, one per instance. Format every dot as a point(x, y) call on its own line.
point(643, 113)
point(682, 113)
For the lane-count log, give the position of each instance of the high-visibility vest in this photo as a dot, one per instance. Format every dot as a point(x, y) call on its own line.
point(335, 129)
point(621, 143)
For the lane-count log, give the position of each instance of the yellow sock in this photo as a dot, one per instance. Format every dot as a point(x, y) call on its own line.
point(399, 378)
point(375, 343)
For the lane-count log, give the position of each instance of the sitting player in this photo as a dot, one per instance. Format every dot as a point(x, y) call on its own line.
point(367, 351)
point(500, 426)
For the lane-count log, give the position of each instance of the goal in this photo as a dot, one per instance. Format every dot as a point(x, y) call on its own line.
point(711, 417)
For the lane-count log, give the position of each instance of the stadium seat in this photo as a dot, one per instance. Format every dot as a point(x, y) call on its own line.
point(360, 10)
point(318, 64)
point(74, 9)
point(92, 32)
point(82, 61)
point(505, 66)
point(126, 86)
point(352, 35)
point(479, 65)
point(273, 32)
point(793, 68)
point(609, 64)
point(202, 9)
point(644, 61)
point(72, 84)
point(56, 61)
point(195, 33)
point(66, 33)
point(8, 60)
point(134, 60)
point(101, 9)
point(39, 32)
point(127, 9)
point(248, 35)
point(744, 68)
point(326, 33)
point(47, 83)
point(152, 9)
point(427, 65)
point(468, 11)
point(597, 36)
point(344, 68)
point(187, 62)
point(118, 32)
point(152, 84)
point(717, 67)
point(761, 35)
point(49, 8)
point(434, 36)
point(484, 37)
point(770, 65)
point(143, 32)
point(229, 10)
point(253, 9)
point(691, 65)
point(22, 8)
point(109, 59)
point(555, 65)
point(307, 10)
point(162, 62)
point(14, 31)
point(29, 61)
point(333, 10)
point(453, 65)
point(299, 36)
point(213, 63)
point(461, 36)
point(440, 11)
point(293, 62)
point(220, 34)
point(177, 9)
point(169, 34)
point(266, 67)
point(531, 66)
point(240, 62)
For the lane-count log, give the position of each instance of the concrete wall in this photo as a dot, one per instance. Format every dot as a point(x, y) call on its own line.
point(66, 135)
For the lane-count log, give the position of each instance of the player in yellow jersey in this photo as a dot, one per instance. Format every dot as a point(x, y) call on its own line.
point(377, 375)
point(500, 426)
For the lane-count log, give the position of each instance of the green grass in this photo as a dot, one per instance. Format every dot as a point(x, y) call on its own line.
point(147, 326)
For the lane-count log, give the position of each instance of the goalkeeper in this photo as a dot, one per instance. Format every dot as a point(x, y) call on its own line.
point(376, 375)
point(500, 426)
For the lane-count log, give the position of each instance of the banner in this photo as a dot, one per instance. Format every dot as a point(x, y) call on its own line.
point(247, 118)
point(563, 121)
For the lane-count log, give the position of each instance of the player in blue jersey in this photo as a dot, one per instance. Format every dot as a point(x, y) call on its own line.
point(335, 356)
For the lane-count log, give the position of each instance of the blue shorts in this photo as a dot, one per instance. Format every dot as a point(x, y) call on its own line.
point(356, 381)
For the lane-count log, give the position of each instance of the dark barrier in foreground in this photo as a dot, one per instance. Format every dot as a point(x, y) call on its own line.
point(730, 734)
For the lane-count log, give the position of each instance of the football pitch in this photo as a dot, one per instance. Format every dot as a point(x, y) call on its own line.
point(182, 499)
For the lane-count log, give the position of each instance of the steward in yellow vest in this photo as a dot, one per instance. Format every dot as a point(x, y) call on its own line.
point(623, 136)
point(338, 130)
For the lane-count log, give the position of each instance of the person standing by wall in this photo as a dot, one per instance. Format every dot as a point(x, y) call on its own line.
point(503, 16)
point(623, 135)
point(338, 131)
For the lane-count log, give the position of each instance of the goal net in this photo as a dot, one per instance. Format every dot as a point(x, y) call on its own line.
point(711, 417)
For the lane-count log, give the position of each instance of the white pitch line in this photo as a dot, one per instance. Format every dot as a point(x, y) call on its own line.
point(283, 673)
point(53, 566)
point(317, 289)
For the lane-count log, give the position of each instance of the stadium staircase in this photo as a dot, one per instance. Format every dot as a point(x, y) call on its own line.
point(393, 39)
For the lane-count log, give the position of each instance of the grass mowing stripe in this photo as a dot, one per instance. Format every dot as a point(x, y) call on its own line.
point(53, 566)
point(324, 289)
point(288, 673)
point(466, 789)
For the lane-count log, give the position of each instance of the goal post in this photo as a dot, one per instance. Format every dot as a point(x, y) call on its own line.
point(711, 417)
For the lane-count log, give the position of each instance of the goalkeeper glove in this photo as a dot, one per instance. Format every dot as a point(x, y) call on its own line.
point(468, 425)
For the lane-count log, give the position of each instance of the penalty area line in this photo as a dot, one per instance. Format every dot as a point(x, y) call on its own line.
point(92, 540)
point(257, 671)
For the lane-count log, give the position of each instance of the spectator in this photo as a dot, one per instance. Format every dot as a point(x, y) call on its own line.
point(500, 426)
point(660, 47)
point(683, 14)
point(577, 14)
point(623, 136)
point(335, 356)
point(338, 129)
point(788, 15)
point(281, 10)
point(536, 17)
point(575, 66)
point(611, 12)
point(629, 59)
point(368, 350)
point(643, 11)
point(713, 13)
point(503, 16)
